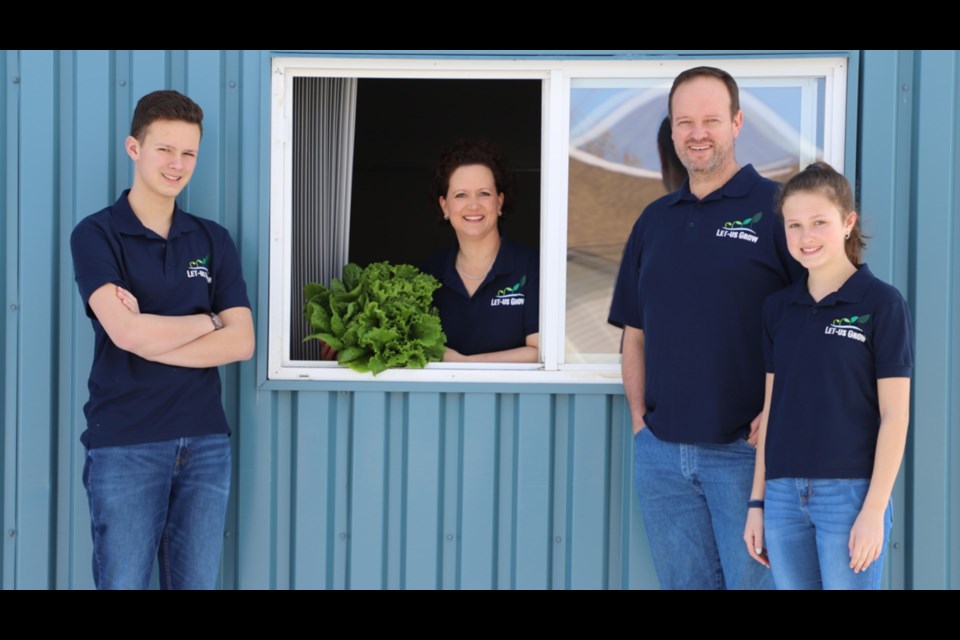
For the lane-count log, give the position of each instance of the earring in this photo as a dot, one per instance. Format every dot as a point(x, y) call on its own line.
point(447, 218)
point(499, 213)
point(846, 237)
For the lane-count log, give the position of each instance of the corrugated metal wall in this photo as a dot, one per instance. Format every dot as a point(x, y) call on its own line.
point(440, 490)
point(8, 200)
point(425, 487)
point(935, 204)
point(909, 175)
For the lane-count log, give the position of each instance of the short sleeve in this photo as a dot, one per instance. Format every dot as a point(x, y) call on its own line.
point(96, 260)
point(893, 338)
point(625, 306)
point(768, 334)
point(230, 288)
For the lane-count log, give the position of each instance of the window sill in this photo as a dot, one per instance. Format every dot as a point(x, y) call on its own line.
point(455, 377)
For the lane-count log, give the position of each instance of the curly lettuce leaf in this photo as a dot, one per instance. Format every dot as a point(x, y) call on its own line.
point(377, 318)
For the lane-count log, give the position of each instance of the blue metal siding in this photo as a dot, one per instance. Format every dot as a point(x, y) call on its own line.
point(8, 372)
point(36, 397)
point(935, 543)
point(909, 173)
point(90, 150)
point(952, 551)
point(884, 184)
point(407, 486)
point(441, 490)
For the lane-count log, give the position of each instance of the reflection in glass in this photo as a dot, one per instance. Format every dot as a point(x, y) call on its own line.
point(615, 173)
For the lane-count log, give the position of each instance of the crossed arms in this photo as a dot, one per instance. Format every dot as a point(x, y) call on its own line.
point(184, 341)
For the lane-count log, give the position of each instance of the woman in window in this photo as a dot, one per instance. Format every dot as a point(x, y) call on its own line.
point(489, 301)
point(838, 354)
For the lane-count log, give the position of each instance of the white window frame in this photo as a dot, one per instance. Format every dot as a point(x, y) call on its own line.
point(555, 77)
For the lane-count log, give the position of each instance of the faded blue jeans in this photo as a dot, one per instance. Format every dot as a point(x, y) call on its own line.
point(693, 498)
point(806, 528)
point(161, 499)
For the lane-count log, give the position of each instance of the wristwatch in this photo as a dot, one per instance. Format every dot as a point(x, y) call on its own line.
point(217, 322)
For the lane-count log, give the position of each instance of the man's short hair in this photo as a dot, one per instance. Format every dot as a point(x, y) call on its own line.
point(707, 72)
point(165, 104)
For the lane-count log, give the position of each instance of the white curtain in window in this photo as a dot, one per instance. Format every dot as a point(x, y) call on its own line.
point(324, 115)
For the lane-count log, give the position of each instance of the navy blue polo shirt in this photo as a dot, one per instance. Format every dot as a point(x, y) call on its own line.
point(826, 358)
point(694, 276)
point(194, 270)
point(503, 311)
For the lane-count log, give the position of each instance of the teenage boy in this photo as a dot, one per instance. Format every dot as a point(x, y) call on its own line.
point(168, 303)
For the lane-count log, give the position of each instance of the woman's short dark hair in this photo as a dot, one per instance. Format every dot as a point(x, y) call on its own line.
point(820, 177)
point(165, 104)
point(469, 152)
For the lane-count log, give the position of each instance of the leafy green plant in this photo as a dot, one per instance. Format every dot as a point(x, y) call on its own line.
point(377, 318)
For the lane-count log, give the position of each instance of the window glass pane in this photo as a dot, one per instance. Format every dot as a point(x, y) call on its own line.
point(614, 170)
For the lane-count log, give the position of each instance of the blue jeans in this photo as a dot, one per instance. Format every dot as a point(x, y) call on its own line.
point(806, 528)
point(693, 498)
point(161, 499)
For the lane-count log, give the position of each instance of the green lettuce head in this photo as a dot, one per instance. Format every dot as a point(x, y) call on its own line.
point(377, 318)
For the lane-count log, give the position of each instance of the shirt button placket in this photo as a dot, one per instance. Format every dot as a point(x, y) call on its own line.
point(690, 221)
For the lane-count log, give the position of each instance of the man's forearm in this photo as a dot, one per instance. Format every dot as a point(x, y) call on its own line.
point(634, 374)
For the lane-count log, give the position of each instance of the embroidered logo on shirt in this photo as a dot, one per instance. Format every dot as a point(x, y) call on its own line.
point(741, 229)
point(510, 296)
point(848, 327)
point(198, 269)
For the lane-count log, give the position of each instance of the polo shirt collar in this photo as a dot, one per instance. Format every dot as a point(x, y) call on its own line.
point(128, 223)
point(852, 291)
point(738, 186)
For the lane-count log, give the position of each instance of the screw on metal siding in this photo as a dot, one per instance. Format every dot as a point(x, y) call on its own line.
point(905, 87)
point(343, 536)
point(16, 79)
point(558, 539)
point(123, 83)
point(232, 84)
point(449, 536)
point(13, 307)
point(11, 533)
point(896, 545)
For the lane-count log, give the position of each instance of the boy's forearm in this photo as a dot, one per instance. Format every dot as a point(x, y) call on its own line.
point(152, 335)
point(233, 343)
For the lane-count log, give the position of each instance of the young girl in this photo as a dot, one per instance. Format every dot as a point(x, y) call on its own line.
point(838, 354)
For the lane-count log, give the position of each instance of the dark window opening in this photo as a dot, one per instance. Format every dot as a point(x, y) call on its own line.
point(401, 127)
